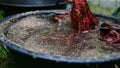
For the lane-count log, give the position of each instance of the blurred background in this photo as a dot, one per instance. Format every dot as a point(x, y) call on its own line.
point(97, 6)
point(104, 6)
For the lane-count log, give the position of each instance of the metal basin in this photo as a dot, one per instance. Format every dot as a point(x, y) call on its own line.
point(59, 59)
point(32, 3)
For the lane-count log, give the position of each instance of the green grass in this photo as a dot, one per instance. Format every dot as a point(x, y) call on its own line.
point(3, 51)
point(1, 13)
point(119, 14)
point(5, 60)
point(102, 10)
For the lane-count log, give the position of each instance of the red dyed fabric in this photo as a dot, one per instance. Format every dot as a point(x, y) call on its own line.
point(111, 36)
point(81, 16)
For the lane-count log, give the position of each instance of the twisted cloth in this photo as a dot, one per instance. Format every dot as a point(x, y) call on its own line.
point(81, 16)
